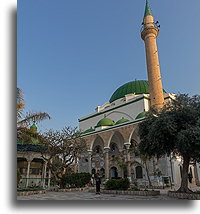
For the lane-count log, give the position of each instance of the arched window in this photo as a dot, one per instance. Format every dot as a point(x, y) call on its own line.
point(139, 173)
point(97, 149)
point(113, 172)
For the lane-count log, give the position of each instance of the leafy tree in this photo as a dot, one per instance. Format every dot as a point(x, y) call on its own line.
point(24, 120)
point(173, 129)
point(60, 150)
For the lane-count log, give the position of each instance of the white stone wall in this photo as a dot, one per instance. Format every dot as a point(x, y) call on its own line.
point(129, 112)
point(176, 171)
point(146, 104)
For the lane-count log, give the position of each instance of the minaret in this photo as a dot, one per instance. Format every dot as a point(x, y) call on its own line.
point(149, 34)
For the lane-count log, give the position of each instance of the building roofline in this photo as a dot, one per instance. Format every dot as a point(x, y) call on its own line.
point(111, 109)
point(116, 107)
point(113, 127)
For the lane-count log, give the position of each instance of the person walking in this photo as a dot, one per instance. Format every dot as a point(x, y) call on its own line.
point(98, 182)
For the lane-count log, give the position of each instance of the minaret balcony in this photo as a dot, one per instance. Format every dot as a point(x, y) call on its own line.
point(149, 30)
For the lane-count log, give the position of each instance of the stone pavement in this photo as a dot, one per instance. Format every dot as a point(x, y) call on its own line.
point(85, 195)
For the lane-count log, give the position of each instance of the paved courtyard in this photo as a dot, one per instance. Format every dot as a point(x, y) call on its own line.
point(84, 195)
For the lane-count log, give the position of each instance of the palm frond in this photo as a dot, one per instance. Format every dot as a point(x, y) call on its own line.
point(33, 117)
point(20, 108)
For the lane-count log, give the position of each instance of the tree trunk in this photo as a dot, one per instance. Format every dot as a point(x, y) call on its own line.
point(147, 171)
point(184, 182)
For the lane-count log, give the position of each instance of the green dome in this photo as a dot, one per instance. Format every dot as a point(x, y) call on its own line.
point(34, 127)
point(105, 122)
point(137, 87)
point(34, 141)
point(89, 130)
point(141, 115)
point(123, 120)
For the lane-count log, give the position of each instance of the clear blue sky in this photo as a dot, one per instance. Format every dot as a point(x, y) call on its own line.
point(73, 54)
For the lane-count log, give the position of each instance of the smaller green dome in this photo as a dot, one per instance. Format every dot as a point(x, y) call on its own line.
point(141, 115)
point(89, 130)
point(77, 134)
point(123, 120)
point(105, 122)
point(34, 141)
point(34, 127)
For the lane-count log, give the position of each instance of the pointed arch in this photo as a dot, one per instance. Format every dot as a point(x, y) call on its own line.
point(122, 113)
point(134, 134)
point(117, 138)
point(97, 141)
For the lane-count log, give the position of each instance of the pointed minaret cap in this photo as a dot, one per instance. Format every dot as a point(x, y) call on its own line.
point(147, 9)
point(34, 127)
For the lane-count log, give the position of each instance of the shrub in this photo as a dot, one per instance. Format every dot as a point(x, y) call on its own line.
point(117, 184)
point(135, 183)
point(135, 188)
point(75, 180)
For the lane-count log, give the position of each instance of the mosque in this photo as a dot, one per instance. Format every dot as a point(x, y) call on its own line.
point(111, 132)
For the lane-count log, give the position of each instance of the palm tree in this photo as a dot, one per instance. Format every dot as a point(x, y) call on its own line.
point(25, 134)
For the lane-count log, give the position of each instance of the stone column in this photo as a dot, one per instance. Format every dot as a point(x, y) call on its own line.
point(128, 158)
point(106, 161)
point(90, 161)
point(49, 176)
point(28, 171)
point(44, 174)
point(121, 174)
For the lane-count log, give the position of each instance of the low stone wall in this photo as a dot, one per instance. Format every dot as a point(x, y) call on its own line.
point(129, 192)
point(24, 193)
point(156, 187)
point(190, 196)
point(149, 187)
point(70, 190)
